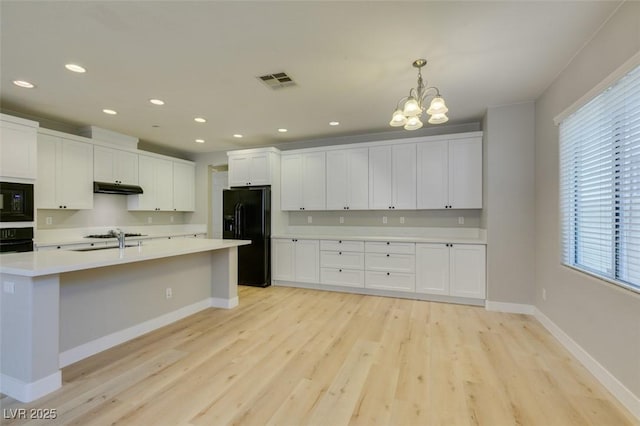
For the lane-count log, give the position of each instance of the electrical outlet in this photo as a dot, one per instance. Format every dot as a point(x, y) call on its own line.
point(341, 219)
point(149, 219)
point(401, 220)
point(9, 287)
point(309, 219)
point(168, 293)
point(384, 220)
point(49, 220)
point(544, 294)
point(171, 219)
point(460, 220)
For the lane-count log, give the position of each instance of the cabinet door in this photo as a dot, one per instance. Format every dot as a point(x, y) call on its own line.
point(164, 184)
point(239, 170)
point(146, 179)
point(404, 176)
point(432, 269)
point(183, 187)
point(468, 271)
point(337, 180)
point(45, 187)
point(433, 174)
point(465, 173)
point(291, 182)
point(18, 151)
point(307, 261)
point(358, 179)
point(380, 178)
point(75, 176)
point(104, 164)
point(126, 170)
point(283, 259)
point(260, 169)
point(314, 181)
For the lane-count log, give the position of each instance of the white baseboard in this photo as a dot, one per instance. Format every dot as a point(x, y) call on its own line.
point(98, 345)
point(613, 385)
point(27, 392)
point(217, 302)
point(511, 308)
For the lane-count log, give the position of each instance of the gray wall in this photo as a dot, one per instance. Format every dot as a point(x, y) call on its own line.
point(509, 209)
point(602, 318)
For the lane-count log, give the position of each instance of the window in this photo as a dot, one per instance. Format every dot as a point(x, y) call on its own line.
point(600, 184)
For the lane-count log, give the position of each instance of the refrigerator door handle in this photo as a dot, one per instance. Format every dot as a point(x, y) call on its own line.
point(236, 221)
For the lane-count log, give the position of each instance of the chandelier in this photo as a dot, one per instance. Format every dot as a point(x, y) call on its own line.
point(410, 108)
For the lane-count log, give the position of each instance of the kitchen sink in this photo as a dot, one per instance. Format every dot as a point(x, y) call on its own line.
point(103, 248)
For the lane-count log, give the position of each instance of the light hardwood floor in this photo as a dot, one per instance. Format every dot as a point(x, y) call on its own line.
point(302, 357)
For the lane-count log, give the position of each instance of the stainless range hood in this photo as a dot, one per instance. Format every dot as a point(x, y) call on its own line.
point(115, 188)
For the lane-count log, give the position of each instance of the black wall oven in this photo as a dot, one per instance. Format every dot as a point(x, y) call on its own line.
point(16, 240)
point(16, 202)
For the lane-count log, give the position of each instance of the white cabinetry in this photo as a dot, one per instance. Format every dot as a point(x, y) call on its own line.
point(296, 260)
point(155, 176)
point(251, 167)
point(65, 173)
point(390, 266)
point(184, 176)
point(303, 181)
point(115, 165)
point(18, 148)
point(342, 263)
point(392, 177)
point(450, 174)
point(451, 269)
point(348, 179)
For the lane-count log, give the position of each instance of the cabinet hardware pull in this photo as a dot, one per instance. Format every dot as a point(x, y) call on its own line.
point(339, 270)
point(340, 253)
point(387, 254)
point(387, 242)
point(387, 273)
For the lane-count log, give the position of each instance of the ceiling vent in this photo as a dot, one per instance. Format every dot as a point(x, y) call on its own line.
point(277, 81)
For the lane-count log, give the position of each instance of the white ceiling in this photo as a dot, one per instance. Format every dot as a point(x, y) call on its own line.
point(351, 61)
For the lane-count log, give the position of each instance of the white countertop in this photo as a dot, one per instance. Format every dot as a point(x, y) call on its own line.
point(434, 239)
point(34, 264)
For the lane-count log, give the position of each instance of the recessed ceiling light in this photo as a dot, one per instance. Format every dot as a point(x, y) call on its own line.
point(75, 68)
point(200, 140)
point(200, 120)
point(334, 123)
point(237, 135)
point(109, 111)
point(155, 126)
point(283, 130)
point(156, 101)
point(23, 83)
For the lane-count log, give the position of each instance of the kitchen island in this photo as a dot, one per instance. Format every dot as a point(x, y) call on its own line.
point(58, 307)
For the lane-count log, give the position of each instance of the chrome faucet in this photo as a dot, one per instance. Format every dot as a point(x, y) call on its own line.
point(120, 235)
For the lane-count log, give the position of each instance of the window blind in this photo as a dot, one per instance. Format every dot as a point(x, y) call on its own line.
point(600, 184)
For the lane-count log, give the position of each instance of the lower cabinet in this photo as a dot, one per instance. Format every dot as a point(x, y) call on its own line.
point(342, 263)
point(390, 266)
point(296, 260)
point(457, 270)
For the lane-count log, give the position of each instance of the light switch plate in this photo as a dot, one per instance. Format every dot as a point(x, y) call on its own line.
point(9, 287)
point(384, 220)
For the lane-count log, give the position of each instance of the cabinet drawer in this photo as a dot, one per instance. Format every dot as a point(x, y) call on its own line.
point(341, 259)
point(390, 281)
point(344, 277)
point(389, 247)
point(390, 262)
point(342, 245)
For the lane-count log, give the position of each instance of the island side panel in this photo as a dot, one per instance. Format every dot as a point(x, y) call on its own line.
point(29, 336)
point(224, 278)
point(102, 307)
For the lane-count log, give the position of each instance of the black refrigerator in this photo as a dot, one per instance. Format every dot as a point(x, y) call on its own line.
point(246, 214)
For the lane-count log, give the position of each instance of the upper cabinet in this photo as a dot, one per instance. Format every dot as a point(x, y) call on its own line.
point(184, 177)
point(155, 176)
point(348, 179)
point(65, 173)
point(392, 177)
point(18, 148)
point(252, 167)
point(115, 165)
point(450, 174)
point(303, 181)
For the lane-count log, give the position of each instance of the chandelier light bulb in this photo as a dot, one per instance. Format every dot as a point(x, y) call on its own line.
point(411, 107)
point(413, 123)
point(438, 118)
point(398, 119)
point(437, 106)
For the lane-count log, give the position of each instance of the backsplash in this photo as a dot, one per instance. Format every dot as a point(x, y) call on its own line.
point(108, 210)
point(411, 218)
